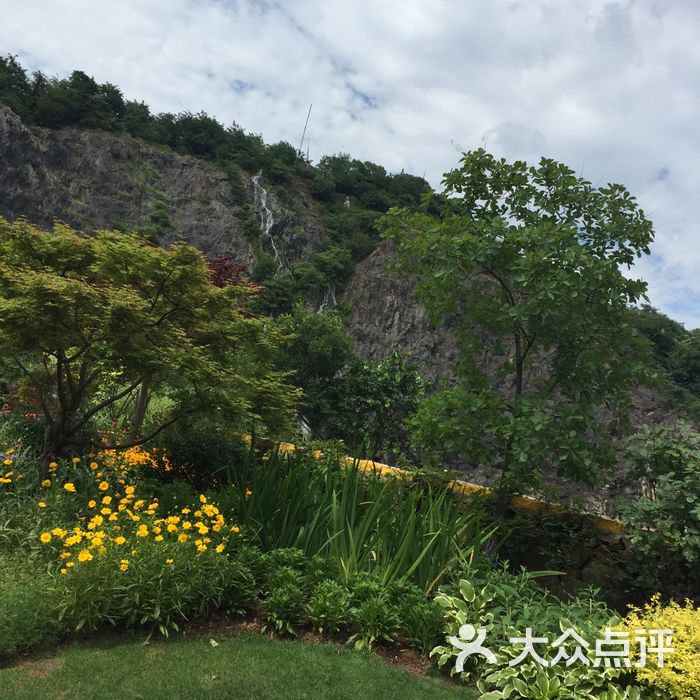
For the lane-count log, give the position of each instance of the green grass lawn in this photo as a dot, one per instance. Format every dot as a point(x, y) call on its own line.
point(247, 665)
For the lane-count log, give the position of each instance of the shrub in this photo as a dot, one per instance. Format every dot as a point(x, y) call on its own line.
point(202, 455)
point(27, 608)
point(679, 676)
point(329, 607)
point(664, 524)
point(504, 606)
point(158, 585)
point(376, 619)
point(422, 623)
point(125, 564)
point(284, 608)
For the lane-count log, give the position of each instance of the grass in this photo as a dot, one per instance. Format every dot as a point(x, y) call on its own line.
point(246, 665)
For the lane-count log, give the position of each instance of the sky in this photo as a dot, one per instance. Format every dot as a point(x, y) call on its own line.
point(612, 89)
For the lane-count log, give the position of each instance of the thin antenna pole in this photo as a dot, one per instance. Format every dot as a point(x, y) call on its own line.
point(301, 144)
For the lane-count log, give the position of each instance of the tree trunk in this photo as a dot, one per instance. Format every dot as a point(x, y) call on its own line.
point(54, 442)
point(142, 398)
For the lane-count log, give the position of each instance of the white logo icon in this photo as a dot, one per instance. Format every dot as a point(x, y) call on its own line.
point(467, 633)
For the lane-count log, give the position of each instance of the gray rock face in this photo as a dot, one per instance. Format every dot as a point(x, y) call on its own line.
point(92, 180)
point(386, 316)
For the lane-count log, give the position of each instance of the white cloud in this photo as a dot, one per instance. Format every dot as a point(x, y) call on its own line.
point(610, 88)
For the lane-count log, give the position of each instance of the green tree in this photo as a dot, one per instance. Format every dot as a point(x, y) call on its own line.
point(526, 262)
point(89, 322)
point(373, 402)
point(662, 332)
point(684, 361)
point(316, 350)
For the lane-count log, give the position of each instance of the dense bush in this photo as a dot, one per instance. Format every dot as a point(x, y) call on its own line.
point(679, 676)
point(27, 606)
point(504, 606)
point(664, 522)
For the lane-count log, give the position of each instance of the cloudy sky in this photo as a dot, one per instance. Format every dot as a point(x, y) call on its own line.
point(610, 88)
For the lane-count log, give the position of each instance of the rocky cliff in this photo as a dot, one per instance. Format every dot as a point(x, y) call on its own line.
point(92, 180)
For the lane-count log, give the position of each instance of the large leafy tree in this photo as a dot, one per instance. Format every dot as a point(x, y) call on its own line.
point(527, 264)
point(91, 322)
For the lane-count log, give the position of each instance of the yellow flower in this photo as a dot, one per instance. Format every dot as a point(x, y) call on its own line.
point(124, 565)
point(220, 548)
point(84, 555)
point(119, 540)
point(129, 490)
point(96, 542)
point(112, 516)
point(203, 529)
point(158, 538)
point(70, 487)
point(186, 525)
point(103, 486)
point(73, 539)
point(58, 532)
point(75, 460)
point(106, 500)
point(70, 564)
point(142, 531)
point(248, 493)
point(172, 528)
point(93, 465)
point(235, 529)
point(201, 548)
point(105, 511)
point(168, 561)
point(182, 537)
point(92, 503)
point(202, 498)
point(185, 511)
point(64, 555)
point(7, 462)
point(63, 571)
point(46, 483)
point(45, 537)
point(53, 466)
point(97, 521)
point(41, 504)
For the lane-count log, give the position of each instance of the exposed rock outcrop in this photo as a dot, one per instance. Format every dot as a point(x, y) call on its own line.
point(92, 180)
point(386, 316)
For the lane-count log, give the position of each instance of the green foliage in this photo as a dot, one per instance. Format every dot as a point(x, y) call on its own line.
point(359, 522)
point(532, 257)
point(79, 101)
point(664, 522)
point(373, 402)
point(161, 588)
point(328, 608)
point(662, 332)
point(377, 620)
point(283, 607)
point(316, 349)
point(88, 322)
point(200, 453)
point(27, 606)
point(422, 623)
point(505, 605)
point(684, 362)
